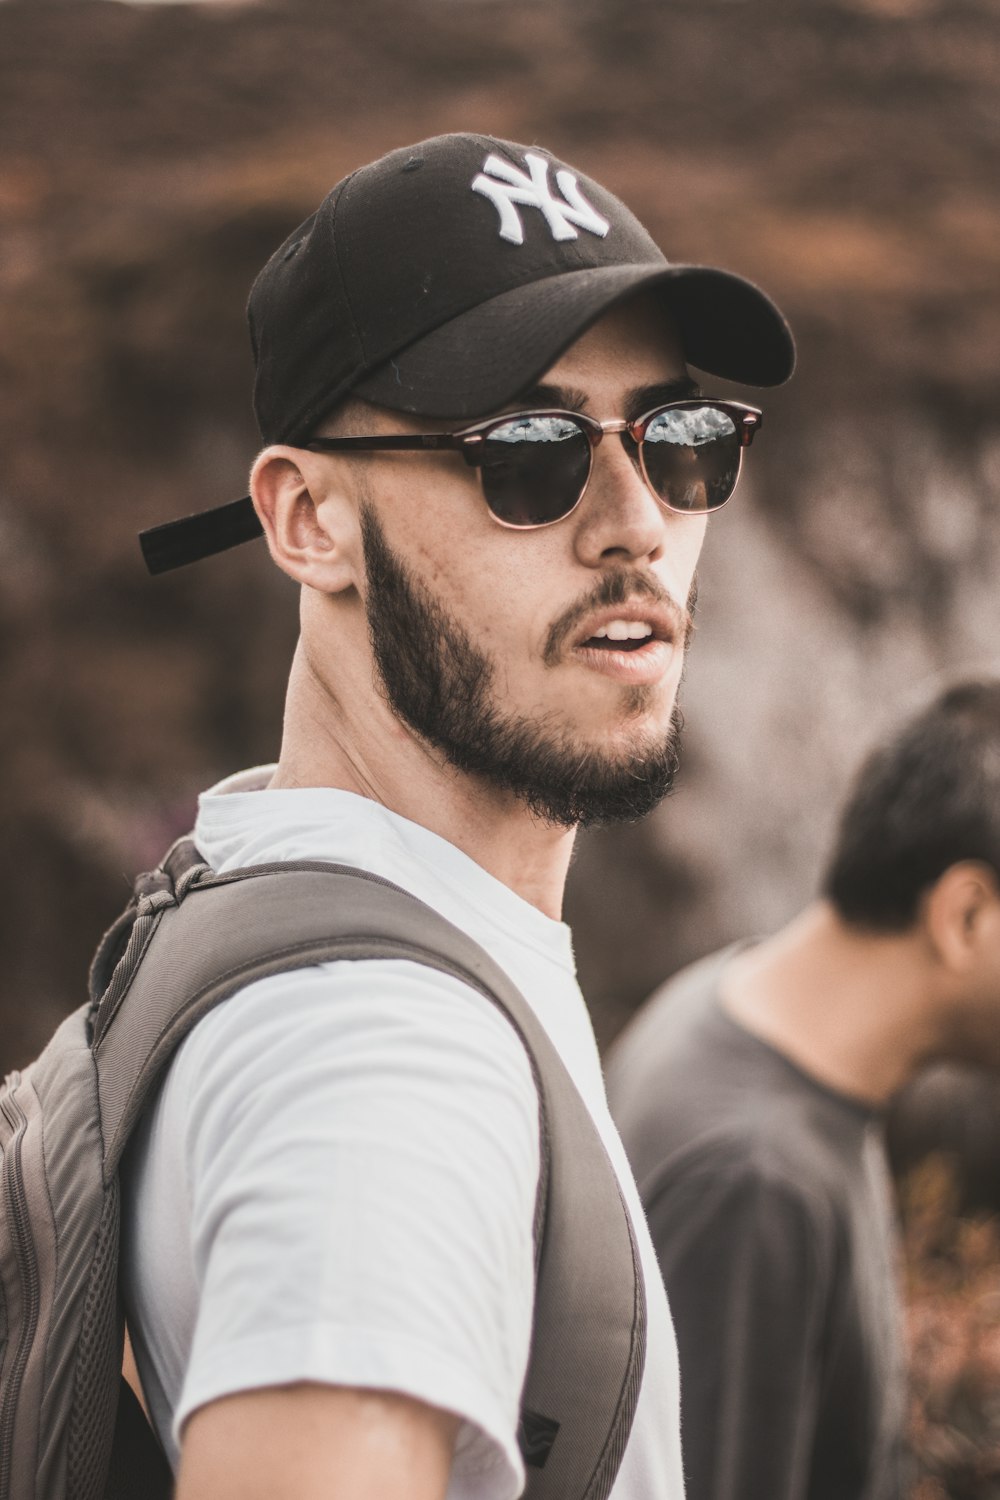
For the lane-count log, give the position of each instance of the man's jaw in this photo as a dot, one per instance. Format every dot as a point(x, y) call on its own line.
point(441, 685)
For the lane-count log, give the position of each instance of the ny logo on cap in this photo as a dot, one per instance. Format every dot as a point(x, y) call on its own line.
point(507, 185)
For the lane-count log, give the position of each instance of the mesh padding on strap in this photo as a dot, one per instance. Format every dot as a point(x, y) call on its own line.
point(98, 1362)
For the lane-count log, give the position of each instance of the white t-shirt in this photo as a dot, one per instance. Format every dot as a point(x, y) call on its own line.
point(336, 1181)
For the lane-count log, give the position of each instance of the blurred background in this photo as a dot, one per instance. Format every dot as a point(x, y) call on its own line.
point(845, 154)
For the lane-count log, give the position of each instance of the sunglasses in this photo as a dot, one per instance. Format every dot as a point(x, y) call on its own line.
point(534, 466)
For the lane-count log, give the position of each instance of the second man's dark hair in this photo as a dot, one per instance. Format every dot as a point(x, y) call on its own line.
point(926, 800)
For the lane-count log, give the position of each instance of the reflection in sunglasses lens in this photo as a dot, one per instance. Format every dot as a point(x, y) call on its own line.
point(691, 456)
point(533, 469)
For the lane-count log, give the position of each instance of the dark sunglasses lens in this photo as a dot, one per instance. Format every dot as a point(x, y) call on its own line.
point(691, 455)
point(533, 469)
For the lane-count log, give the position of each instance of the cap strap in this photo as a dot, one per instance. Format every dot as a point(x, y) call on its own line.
point(176, 543)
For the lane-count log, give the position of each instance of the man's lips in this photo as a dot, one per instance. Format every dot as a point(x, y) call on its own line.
point(632, 627)
point(632, 643)
point(639, 665)
point(629, 599)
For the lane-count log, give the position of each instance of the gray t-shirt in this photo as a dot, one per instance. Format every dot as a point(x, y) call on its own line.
point(768, 1199)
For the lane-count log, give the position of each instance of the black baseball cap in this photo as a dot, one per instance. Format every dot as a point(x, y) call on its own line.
point(444, 279)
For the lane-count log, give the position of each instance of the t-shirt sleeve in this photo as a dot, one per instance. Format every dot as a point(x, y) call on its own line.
point(745, 1260)
point(362, 1157)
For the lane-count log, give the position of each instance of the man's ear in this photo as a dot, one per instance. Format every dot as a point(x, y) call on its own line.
point(957, 909)
point(308, 521)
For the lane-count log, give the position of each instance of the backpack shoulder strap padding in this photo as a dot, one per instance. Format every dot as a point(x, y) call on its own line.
point(588, 1343)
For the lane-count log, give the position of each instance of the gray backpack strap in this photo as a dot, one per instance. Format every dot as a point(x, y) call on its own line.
point(185, 956)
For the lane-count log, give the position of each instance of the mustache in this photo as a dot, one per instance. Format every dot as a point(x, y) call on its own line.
point(619, 588)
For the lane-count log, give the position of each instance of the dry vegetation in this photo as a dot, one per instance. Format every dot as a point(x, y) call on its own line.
point(953, 1313)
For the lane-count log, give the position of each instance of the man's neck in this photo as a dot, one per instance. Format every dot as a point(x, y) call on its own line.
point(854, 1010)
point(369, 752)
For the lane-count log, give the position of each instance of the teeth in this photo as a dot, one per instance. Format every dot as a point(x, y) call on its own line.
point(624, 630)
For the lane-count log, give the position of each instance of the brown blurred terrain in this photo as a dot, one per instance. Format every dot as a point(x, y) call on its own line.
point(846, 154)
point(954, 1332)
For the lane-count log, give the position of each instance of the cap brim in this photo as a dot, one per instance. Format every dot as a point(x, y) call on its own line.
point(487, 356)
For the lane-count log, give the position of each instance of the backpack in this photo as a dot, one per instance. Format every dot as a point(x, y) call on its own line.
point(70, 1428)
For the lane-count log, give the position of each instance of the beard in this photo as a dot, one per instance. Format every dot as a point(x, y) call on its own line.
point(436, 679)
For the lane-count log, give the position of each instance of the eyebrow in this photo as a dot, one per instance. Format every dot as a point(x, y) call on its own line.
point(637, 401)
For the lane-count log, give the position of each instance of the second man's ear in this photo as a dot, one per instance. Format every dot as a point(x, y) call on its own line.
point(961, 900)
point(308, 518)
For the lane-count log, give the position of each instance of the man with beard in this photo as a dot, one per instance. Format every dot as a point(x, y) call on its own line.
point(489, 470)
point(750, 1095)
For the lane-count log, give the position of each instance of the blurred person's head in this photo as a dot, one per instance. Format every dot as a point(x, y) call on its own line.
point(896, 964)
point(917, 852)
point(926, 800)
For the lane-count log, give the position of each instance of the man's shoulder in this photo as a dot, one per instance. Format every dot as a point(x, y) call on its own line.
point(679, 1041)
point(755, 1160)
point(388, 1004)
point(719, 1159)
point(695, 1095)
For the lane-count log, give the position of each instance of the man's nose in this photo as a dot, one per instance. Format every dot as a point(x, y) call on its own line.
point(619, 518)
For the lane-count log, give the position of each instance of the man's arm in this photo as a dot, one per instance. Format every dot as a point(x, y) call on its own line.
point(314, 1442)
point(352, 1154)
point(746, 1272)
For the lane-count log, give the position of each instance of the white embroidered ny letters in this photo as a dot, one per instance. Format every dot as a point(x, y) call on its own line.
point(506, 185)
